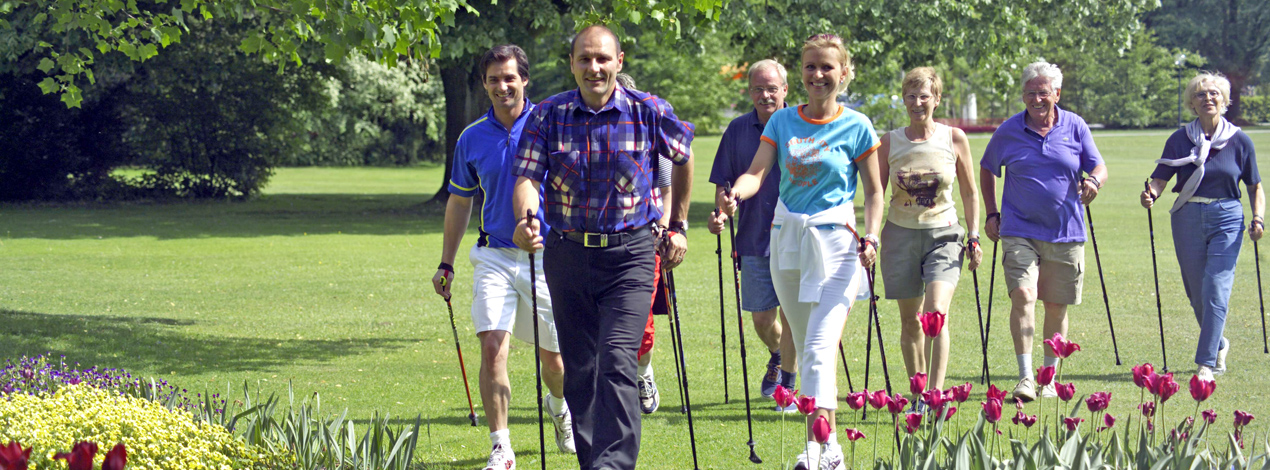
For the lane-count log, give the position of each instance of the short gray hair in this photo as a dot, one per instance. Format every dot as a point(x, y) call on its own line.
point(769, 63)
point(1045, 69)
point(1214, 78)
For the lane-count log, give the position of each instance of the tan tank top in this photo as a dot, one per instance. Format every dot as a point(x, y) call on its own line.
point(921, 179)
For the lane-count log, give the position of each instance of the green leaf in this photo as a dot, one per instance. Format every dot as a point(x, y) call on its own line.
point(49, 85)
point(636, 16)
point(46, 64)
point(148, 50)
point(72, 96)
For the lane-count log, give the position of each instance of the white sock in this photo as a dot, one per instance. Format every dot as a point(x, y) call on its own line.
point(833, 438)
point(1051, 361)
point(557, 404)
point(501, 436)
point(1025, 366)
point(645, 370)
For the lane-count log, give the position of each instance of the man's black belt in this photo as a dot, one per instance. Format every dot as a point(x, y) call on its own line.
point(604, 240)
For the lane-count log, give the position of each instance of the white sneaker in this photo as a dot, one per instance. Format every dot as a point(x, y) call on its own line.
point(808, 457)
point(501, 458)
point(649, 396)
point(831, 458)
point(1049, 391)
point(1026, 390)
point(1220, 368)
point(563, 423)
point(1204, 373)
point(792, 408)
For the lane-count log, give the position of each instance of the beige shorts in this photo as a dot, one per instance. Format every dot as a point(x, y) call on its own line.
point(1055, 270)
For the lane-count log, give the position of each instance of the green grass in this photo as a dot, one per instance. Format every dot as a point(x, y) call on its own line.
point(323, 282)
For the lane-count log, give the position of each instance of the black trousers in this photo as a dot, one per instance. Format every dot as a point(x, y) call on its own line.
point(600, 298)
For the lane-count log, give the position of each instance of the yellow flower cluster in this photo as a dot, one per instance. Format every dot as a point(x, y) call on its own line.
point(157, 438)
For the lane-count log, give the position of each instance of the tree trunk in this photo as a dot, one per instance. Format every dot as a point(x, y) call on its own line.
point(464, 103)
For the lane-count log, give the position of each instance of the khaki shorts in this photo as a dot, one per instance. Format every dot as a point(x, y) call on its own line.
point(1055, 270)
point(913, 258)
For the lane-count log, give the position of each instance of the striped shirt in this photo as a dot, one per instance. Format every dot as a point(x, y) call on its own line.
point(597, 166)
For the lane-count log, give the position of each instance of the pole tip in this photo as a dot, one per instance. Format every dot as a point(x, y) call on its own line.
point(472, 417)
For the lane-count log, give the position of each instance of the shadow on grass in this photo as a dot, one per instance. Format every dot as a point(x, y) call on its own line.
point(269, 215)
point(138, 344)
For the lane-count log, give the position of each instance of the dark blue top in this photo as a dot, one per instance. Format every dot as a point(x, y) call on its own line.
point(1236, 162)
point(736, 152)
point(483, 159)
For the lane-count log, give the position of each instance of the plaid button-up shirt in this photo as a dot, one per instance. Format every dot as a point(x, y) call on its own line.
point(598, 166)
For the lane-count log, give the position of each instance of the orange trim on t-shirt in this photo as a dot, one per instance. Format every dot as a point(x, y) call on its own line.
point(868, 152)
point(819, 122)
point(768, 140)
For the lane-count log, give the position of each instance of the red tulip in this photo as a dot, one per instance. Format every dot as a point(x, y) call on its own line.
point(858, 399)
point(1098, 401)
point(1066, 391)
point(917, 383)
point(1108, 421)
point(1148, 409)
point(994, 392)
point(952, 410)
point(1210, 416)
point(116, 458)
point(879, 399)
point(1045, 375)
point(854, 434)
point(1018, 417)
point(1061, 347)
point(961, 393)
point(1242, 419)
point(912, 421)
point(821, 429)
point(784, 396)
point(897, 404)
point(80, 456)
point(1202, 389)
point(992, 410)
point(1026, 420)
point(806, 405)
point(1165, 387)
point(932, 323)
point(1178, 436)
point(933, 398)
point(1141, 373)
point(13, 457)
point(1072, 423)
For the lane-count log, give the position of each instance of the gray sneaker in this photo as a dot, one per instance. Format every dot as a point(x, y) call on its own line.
point(563, 423)
point(771, 379)
point(1025, 390)
point(649, 397)
point(1049, 391)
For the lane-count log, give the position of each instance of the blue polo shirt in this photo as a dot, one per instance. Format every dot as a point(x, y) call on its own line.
point(1041, 199)
point(483, 159)
point(736, 152)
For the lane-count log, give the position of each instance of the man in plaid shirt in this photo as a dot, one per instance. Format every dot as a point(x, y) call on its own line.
point(594, 148)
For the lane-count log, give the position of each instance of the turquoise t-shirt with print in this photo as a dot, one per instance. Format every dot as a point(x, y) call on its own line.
point(818, 158)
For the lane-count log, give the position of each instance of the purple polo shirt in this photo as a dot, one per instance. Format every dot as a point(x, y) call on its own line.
point(1041, 200)
point(736, 152)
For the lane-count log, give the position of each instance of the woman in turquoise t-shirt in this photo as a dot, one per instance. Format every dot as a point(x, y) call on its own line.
point(818, 259)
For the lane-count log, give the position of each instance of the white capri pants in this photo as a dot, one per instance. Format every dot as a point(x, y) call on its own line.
point(816, 327)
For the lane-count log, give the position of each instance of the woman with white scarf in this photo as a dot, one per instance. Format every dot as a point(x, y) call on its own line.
point(1210, 157)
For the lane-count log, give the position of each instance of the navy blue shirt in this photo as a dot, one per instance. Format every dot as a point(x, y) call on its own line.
point(736, 152)
point(1223, 171)
point(483, 158)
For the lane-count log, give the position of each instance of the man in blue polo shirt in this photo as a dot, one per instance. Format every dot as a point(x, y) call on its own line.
point(1044, 150)
point(501, 302)
point(767, 87)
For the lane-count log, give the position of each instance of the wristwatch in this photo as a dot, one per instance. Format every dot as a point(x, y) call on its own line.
point(680, 227)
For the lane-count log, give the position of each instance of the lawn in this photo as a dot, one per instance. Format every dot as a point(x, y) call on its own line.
point(323, 283)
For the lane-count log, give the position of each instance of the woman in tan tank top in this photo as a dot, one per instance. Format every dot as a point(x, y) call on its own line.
point(922, 247)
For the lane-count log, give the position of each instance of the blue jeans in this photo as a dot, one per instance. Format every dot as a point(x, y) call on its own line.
point(1207, 238)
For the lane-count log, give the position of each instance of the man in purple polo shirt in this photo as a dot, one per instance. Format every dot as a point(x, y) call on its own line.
point(767, 87)
point(1041, 225)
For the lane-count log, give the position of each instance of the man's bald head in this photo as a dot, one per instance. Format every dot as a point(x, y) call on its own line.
point(593, 30)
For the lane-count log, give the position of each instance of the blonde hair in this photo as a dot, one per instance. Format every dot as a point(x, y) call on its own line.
point(917, 77)
point(1214, 78)
point(832, 41)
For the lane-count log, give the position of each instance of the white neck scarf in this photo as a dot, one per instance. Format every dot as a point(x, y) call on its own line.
point(1199, 154)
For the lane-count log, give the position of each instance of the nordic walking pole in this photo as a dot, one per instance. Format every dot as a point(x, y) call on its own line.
point(987, 325)
point(674, 345)
point(472, 409)
point(868, 353)
point(877, 322)
point(533, 295)
point(723, 324)
point(678, 332)
point(1155, 270)
point(1102, 281)
point(843, 355)
point(1260, 298)
point(974, 274)
point(740, 329)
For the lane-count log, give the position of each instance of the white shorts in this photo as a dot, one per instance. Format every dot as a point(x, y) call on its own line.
point(501, 295)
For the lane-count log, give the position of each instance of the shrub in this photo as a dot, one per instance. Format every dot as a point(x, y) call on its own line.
point(1256, 108)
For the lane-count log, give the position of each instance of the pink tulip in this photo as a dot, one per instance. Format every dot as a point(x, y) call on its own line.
point(1072, 423)
point(1141, 373)
point(912, 421)
point(1107, 421)
point(1025, 420)
point(806, 405)
point(992, 410)
point(1242, 418)
point(917, 383)
point(857, 400)
point(1066, 391)
point(13, 457)
point(1202, 389)
point(1165, 387)
point(1098, 401)
point(1210, 416)
point(1045, 375)
point(994, 392)
point(784, 396)
point(952, 410)
point(879, 399)
point(854, 434)
point(933, 398)
point(1148, 409)
point(897, 404)
point(116, 458)
point(1061, 347)
point(932, 323)
point(821, 429)
point(961, 393)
